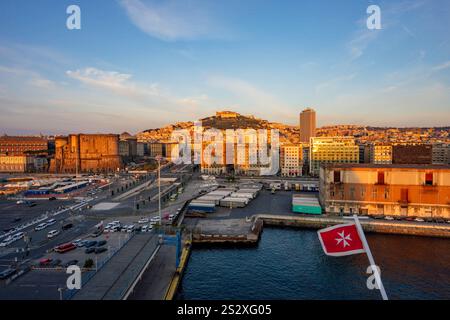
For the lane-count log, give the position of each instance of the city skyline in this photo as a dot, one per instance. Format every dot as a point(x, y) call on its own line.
point(217, 57)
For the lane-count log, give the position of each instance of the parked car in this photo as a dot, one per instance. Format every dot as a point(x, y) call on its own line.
point(53, 233)
point(101, 243)
point(18, 235)
point(388, 218)
point(66, 247)
point(54, 263)
point(70, 263)
point(130, 228)
point(97, 233)
point(100, 250)
point(16, 220)
point(20, 202)
point(171, 217)
point(90, 243)
point(143, 220)
point(78, 243)
point(52, 198)
point(419, 220)
point(5, 274)
point(89, 250)
point(67, 226)
point(115, 229)
point(45, 262)
point(40, 226)
point(410, 218)
point(144, 228)
point(51, 222)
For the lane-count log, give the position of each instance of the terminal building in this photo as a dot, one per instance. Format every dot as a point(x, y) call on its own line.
point(395, 190)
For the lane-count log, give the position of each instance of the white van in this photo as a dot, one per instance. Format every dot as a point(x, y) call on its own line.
point(52, 234)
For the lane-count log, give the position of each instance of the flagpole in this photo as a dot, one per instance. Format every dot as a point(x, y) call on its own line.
point(369, 255)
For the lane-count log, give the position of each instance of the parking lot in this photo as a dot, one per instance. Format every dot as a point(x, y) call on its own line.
point(13, 214)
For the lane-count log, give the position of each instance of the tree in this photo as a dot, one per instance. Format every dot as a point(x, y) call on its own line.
point(89, 263)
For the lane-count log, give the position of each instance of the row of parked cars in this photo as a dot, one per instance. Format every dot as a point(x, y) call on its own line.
point(12, 238)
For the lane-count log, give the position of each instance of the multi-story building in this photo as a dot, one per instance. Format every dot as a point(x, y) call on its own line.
point(241, 153)
point(156, 149)
point(307, 125)
point(441, 154)
point(86, 153)
point(397, 190)
point(291, 160)
point(412, 154)
point(380, 154)
point(325, 150)
point(20, 146)
point(16, 163)
point(140, 149)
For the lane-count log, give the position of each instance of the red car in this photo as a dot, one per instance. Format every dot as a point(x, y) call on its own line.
point(45, 261)
point(65, 247)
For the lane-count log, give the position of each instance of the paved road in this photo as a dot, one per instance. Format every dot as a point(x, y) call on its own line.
point(111, 281)
point(156, 279)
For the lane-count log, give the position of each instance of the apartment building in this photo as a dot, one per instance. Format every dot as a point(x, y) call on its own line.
point(291, 160)
point(325, 150)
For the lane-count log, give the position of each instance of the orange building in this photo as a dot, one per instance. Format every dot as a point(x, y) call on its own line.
point(21, 145)
point(86, 153)
point(397, 190)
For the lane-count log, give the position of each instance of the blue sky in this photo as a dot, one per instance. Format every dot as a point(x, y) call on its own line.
point(138, 64)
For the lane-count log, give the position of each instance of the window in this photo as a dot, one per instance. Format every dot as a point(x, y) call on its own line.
point(380, 179)
point(337, 176)
point(429, 179)
point(404, 195)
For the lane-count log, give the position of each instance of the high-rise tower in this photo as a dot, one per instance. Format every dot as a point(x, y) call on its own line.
point(307, 125)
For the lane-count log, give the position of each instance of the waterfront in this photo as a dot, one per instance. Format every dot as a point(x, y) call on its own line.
point(290, 264)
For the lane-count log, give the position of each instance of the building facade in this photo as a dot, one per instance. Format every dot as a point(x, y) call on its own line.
point(441, 154)
point(380, 154)
point(307, 125)
point(86, 153)
point(324, 150)
point(412, 154)
point(291, 160)
point(395, 190)
point(20, 146)
point(16, 164)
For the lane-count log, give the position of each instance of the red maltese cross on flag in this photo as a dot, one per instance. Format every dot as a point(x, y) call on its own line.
point(341, 240)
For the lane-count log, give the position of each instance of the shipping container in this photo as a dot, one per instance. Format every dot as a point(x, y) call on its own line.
point(233, 202)
point(308, 204)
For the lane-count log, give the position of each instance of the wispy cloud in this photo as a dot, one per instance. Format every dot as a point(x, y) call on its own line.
point(174, 20)
point(442, 66)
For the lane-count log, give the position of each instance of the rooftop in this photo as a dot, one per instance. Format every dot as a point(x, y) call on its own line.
point(386, 166)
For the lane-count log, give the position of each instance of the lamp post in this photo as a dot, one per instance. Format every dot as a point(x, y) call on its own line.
point(159, 188)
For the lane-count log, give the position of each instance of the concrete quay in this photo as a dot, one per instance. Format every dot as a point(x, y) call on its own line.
point(369, 225)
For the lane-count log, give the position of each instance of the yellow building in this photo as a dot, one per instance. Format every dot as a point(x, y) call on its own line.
point(381, 154)
point(16, 163)
point(332, 150)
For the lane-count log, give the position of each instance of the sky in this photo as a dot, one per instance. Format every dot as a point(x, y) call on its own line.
point(140, 64)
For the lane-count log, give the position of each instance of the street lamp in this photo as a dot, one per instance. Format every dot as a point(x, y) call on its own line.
point(158, 158)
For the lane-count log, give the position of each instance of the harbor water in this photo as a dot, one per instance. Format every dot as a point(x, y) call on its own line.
point(290, 264)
